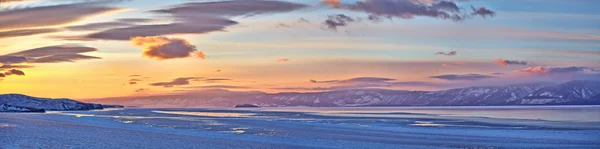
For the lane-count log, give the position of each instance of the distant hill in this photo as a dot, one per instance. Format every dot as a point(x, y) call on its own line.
point(569, 93)
point(24, 103)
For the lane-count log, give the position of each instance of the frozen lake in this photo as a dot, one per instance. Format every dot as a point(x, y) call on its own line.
point(299, 127)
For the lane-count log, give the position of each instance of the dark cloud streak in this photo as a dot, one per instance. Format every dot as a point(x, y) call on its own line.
point(462, 77)
point(451, 53)
point(50, 54)
point(176, 82)
point(503, 62)
point(194, 18)
point(49, 15)
point(14, 72)
point(26, 32)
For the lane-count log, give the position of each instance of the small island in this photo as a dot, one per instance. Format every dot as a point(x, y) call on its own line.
point(246, 106)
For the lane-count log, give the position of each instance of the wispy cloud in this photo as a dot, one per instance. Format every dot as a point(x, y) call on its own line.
point(408, 9)
point(357, 80)
point(49, 15)
point(217, 87)
point(194, 18)
point(7, 59)
point(462, 77)
point(176, 82)
point(361, 83)
point(50, 54)
point(98, 26)
point(4, 67)
point(187, 81)
point(283, 60)
point(539, 70)
point(452, 65)
point(26, 32)
point(141, 90)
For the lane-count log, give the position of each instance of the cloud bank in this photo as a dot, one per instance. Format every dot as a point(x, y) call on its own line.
point(32, 20)
point(194, 18)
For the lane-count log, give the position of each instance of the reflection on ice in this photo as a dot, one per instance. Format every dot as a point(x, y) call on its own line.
point(7, 125)
point(210, 114)
point(237, 130)
point(548, 113)
point(432, 124)
point(107, 109)
point(78, 115)
point(127, 122)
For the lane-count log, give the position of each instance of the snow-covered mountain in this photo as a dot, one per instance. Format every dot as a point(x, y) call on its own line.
point(570, 93)
point(470, 96)
point(11, 108)
point(574, 92)
point(23, 103)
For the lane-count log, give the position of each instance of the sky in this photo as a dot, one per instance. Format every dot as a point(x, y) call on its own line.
point(111, 48)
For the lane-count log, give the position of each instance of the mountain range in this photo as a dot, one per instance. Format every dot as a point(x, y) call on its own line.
point(578, 92)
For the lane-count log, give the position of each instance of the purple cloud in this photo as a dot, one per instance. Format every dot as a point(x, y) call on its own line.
point(541, 71)
point(141, 90)
point(357, 80)
point(26, 32)
point(49, 15)
point(7, 59)
point(14, 72)
point(407, 9)
point(451, 53)
point(4, 67)
point(98, 26)
point(361, 83)
point(335, 21)
point(161, 48)
point(462, 77)
point(483, 12)
point(218, 87)
point(194, 18)
point(176, 82)
point(503, 62)
point(50, 54)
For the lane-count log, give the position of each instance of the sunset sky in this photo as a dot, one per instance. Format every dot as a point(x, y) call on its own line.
point(107, 48)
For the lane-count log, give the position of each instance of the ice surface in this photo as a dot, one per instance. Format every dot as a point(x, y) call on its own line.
point(381, 128)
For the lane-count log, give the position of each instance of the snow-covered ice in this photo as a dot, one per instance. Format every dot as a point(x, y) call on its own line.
point(380, 128)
